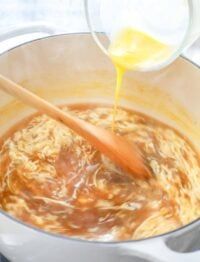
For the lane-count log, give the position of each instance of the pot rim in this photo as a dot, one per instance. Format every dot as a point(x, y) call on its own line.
point(86, 241)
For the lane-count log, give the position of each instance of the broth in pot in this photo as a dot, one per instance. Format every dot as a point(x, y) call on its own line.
point(53, 179)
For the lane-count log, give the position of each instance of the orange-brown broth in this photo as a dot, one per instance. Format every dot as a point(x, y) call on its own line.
point(86, 196)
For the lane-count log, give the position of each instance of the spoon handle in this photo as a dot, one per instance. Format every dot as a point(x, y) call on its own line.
point(113, 146)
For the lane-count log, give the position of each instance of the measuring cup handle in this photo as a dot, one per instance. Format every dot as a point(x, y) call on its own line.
point(155, 250)
point(194, 30)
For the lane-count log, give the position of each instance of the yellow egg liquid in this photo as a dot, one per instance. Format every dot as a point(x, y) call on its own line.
point(131, 49)
point(120, 74)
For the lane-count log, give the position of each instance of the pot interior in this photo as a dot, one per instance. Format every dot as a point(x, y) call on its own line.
point(69, 69)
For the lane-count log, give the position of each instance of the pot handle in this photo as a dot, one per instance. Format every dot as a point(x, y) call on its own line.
point(36, 27)
point(22, 30)
point(154, 250)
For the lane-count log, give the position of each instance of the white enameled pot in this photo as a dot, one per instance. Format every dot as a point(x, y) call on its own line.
point(71, 68)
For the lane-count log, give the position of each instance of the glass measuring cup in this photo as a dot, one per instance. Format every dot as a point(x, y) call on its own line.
point(175, 23)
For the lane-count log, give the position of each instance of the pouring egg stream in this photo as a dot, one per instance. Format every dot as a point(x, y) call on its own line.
point(131, 49)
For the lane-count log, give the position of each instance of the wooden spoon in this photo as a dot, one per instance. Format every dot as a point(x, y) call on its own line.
point(114, 147)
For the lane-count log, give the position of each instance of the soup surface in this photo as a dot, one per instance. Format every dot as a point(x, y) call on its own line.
point(55, 180)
